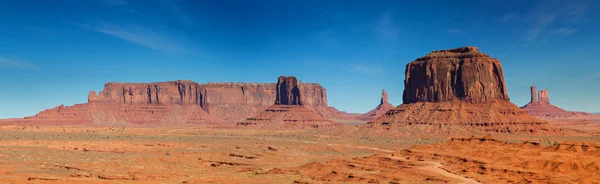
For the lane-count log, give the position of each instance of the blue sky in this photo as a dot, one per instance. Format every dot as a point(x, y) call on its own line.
point(55, 52)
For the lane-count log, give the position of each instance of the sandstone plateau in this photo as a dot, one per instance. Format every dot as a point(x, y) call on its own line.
point(458, 89)
point(179, 102)
point(289, 110)
point(540, 106)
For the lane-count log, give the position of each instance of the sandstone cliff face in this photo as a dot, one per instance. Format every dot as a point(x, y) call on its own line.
point(542, 108)
point(458, 89)
point(230, 101)
point(177, 102)
point(288, 91)
point(457, 74)
point(166, 93)
point(187, 92)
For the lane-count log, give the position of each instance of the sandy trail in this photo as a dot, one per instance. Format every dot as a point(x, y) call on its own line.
point(435, 168)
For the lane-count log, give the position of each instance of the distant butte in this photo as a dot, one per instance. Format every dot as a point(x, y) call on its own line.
point(383, 107)
point(540, 106)
point(457, 90)
point(289, 111)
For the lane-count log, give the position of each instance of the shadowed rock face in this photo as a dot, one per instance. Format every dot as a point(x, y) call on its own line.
point(457, 74)
point(288, 91)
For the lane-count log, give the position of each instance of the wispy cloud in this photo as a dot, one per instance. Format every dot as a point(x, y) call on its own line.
point(141, 36)
point(456, 30)
point(181, 16)
point(595, 75)
point(114, 2)
point(563, 30)
point(510, 16)
point(11, 63)
point(386, 28)
point(366, 69)
point(545, 17)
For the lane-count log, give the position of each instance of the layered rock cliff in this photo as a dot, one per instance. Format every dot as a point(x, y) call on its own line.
point(179, 102)
point(458, 89)
point(188, 92)
point(463, 74)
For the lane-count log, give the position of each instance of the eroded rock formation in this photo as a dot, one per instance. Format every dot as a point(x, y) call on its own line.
point(383, 107)
point(458, 89)
point(288, 110)
point(185, 101)
point(542, 108)
point(463, 74)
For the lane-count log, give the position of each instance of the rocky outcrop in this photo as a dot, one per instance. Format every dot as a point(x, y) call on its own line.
point(463, 74)
point(383, 107)
point(289, 111)
point(542, 108)
point(458, 89)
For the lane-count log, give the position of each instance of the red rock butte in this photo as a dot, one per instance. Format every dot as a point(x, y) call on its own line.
point(289, 110)
point(383, 107)
point(179, 102)
point(540, 106)
point(458, 89)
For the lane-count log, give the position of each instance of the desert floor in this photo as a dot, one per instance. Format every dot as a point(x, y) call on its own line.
point(50, 154)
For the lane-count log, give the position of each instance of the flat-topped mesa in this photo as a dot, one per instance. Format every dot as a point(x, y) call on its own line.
point(463, 74)
point(288, 91)
point(462, 52)
point(188, 92)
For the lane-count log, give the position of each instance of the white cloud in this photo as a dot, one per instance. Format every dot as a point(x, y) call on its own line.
point(386, 28)
point(10, 63)
point(141, 36)
point(545, 17)
point(563, 30)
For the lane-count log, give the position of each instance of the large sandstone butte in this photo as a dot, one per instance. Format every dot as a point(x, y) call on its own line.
point(458, 89)
point(540, 106)
point(177, 102)
point(289, 110)
point(383, 107)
